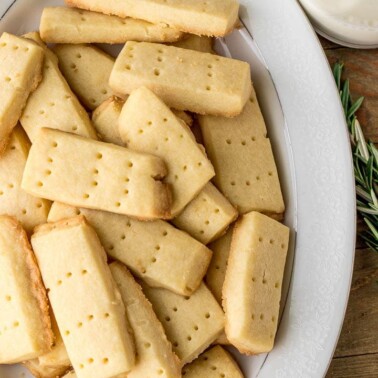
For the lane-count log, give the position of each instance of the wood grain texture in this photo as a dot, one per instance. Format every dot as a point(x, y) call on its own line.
point(354, 367)
point(359, 333)
point(356, 354)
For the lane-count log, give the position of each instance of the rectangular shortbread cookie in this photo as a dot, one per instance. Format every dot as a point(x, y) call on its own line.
point(207, 216)
point(53, 104)
point(83, 172)
point(146, 124)
point(86, 302)
point(191, 323)
point(245, 169)
point(42, 371)
point(197, 43)
point(155, 251)
point(214, 363)
point(29, 210)
point(20, 73)
point(105, 119)
point(252, 287)
point(69, 25)
point(217, 269)
point(154, 355)
point(213, 18)
point(87, 70)
point(184, 79)
point(25, 326)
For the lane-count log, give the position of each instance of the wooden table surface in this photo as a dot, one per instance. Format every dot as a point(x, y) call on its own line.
point(356, 354)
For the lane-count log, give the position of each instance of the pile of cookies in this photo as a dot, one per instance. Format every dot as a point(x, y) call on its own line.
point(139, 197)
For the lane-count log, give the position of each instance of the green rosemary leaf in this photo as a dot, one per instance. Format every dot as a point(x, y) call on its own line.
point(352, 129)
point(359, 161)
point(372, 207)
point(373, 150)
point(363, 193)
point(358, 158)
point(358, 172)
point(374, 198)
point(345, 96)
point(360, 181)
point(352, 110)
point(361, 142)
point(337, 71)
point(372, 228)
point(366, 210)
point(369, 173)
point(365, 159)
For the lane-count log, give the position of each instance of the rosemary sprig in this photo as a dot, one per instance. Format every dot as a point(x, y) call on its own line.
point(365, 158)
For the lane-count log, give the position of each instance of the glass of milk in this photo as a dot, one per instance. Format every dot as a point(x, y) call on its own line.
point(352, 23)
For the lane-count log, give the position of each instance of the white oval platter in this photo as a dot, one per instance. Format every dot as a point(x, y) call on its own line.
point(305, 122)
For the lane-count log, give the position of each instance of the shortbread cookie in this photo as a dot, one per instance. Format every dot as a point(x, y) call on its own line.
point(53, 104)
point(36, 37)
point(255, 272)
point(249, 121)
point(191, 323)
point(87, 70)
point(69, 25)
point(24, 317)
point(155, 251)
point(42, 371)
point(243, 160)
point(214, 363)
point(57, 356)
point(213, 18)
point(54, 363)
point(83, 172)
point(217, 269)
point(207, 216)
point(216, 273)
point(29, 210)
point(146, 124)
point(184, 79)
point(84, 298)
point(105, 119)
point(20, 72)
point(154, 355)
point(195, 42)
